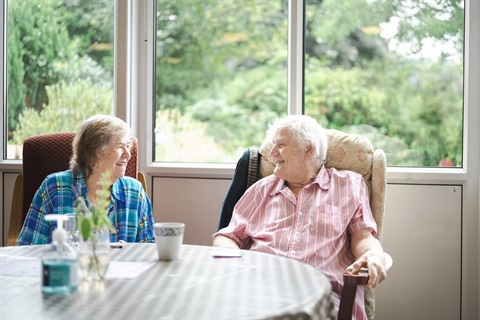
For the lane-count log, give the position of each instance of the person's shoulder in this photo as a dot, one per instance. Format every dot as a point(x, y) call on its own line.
point(345, 174)
point(127, 182)
point(269, 179)
point(267, 183)
point(66, 175)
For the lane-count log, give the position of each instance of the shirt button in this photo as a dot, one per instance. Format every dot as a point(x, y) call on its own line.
point(300, 213)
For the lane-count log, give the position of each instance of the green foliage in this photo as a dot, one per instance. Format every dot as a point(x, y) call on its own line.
point(339, 97)
point(200, 44)
point(97, 218)
point(214, 128)
point(254, 98)
point(91, 25)
point(441, 19)
point(180, 139)
point(215, 69)
point(55, 41)
point(15, 75)
point(37, 40)
point(221, 78)
point(345, 33)
point(69, 105)
point(82, 68)
point(416, 106)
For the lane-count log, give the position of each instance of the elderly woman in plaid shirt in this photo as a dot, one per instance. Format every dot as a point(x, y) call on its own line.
point(101, 144)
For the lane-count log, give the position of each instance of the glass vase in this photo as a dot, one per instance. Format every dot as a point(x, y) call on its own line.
point(94, 255)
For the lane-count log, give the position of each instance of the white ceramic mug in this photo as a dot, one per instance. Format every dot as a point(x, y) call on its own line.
point(169, 239)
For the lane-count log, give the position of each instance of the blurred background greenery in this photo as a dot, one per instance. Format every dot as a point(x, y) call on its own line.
point(391, 70)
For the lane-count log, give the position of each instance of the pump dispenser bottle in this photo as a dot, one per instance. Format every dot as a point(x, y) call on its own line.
point(60, 270)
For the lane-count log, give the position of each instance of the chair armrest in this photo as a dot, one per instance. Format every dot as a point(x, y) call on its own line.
point(16, 213)
point(356, 279)
point(142, 179)
point(350, 283)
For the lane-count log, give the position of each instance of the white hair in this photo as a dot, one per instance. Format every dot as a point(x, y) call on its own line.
point(306, 132)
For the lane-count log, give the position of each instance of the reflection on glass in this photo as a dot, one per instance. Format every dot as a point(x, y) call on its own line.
point(72, 230)
point(59, 66)
point(389, 70)
point(221, 76)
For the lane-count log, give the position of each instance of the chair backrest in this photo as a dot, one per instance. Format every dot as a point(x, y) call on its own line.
point(42, 155)
point(345, 152)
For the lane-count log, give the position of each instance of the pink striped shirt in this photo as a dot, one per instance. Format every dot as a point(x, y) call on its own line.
point(314, 228)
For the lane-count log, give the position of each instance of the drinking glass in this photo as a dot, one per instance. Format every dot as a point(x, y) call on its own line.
point(71, 227)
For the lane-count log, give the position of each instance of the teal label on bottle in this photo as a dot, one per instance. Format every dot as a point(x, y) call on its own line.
point(56, 273)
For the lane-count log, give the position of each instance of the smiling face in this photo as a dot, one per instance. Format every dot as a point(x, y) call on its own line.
point(291, 163)
point(115, 158)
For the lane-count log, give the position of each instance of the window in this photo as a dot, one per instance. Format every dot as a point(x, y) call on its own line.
point(389, 70)
point(59, 66)
point(221, 76)
point(392, 71)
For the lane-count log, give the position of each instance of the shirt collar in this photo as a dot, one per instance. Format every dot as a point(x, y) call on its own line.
point(117, 194)
point(80, 187)
point(80, 183)
point(322, 179)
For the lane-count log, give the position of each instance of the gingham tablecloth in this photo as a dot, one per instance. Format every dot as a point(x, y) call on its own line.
point(197, 286)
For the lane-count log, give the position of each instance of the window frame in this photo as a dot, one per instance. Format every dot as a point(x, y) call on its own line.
point(412, 175)
point(134, 59)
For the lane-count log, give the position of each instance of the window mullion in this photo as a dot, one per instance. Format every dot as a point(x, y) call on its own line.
point(295, 56)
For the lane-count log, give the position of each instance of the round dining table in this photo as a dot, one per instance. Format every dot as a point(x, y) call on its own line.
point(204, 283)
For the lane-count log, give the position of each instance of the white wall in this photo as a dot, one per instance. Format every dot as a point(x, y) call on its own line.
point(195, 202)
point(422, 232)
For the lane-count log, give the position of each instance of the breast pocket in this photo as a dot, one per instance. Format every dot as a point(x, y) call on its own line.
point(328, 221)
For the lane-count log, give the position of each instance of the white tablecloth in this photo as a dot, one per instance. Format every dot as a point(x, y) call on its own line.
point(197, 286)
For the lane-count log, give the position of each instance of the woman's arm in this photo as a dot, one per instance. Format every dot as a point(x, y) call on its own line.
point(369, 254)
point(226, 242)
point(36, 230)
point(145, 231)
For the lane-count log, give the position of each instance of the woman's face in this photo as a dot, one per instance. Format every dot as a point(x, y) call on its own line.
point(116, 157)
point(290, 162)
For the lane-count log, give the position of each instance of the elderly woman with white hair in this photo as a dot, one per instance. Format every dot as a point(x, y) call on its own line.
point(308, 212)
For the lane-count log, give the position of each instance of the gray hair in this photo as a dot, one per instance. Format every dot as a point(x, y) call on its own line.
point(306, 132)
point(94, 136)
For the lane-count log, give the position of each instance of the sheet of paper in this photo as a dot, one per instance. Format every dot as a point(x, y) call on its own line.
point(225, 253)
point(27, 267)
point(127, 270)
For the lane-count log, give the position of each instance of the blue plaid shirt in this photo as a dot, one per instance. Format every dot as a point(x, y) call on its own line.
point(130, 209)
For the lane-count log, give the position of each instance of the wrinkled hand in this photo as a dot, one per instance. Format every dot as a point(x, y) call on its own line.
point(377, 262)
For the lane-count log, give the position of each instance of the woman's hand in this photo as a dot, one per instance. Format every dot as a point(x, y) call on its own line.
point(377, 262)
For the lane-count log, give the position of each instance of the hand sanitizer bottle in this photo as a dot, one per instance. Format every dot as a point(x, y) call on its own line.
point(60, 270)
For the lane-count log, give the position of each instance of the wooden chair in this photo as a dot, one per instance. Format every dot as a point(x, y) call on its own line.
point(345, 152)
point(43, 155)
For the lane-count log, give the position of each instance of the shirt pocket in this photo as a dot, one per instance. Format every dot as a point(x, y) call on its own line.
point(327, 221)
